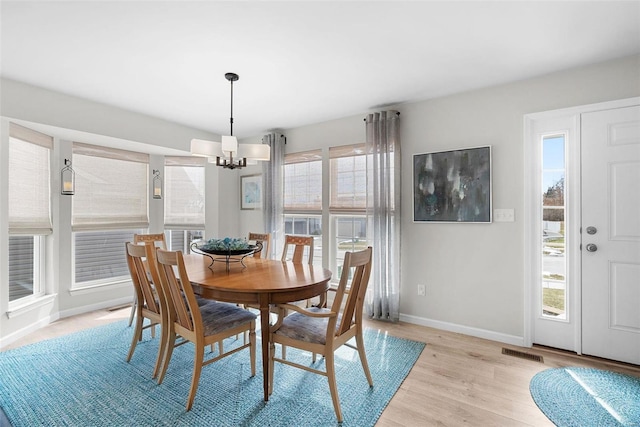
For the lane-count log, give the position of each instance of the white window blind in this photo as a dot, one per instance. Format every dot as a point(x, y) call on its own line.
point(184, 193)
point(111, 188)
point(29, 181)
point(303, 181)
point(348, 171)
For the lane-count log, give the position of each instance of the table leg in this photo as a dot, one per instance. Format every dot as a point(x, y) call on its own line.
point(264, 325)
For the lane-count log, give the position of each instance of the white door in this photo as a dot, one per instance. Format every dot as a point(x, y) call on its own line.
point(610, 155)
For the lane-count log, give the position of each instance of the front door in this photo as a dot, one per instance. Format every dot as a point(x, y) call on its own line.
point(610, 234)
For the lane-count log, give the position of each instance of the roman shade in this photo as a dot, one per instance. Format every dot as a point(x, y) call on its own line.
point(184, 193)
point(29, 184)
point(111, 188)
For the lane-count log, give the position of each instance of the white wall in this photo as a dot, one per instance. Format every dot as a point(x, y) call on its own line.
point(474, 272)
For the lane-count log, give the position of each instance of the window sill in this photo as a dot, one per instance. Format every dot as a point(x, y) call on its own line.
point(20, 309)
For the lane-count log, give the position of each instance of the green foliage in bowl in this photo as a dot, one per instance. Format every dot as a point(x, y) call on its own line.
point(226, 244)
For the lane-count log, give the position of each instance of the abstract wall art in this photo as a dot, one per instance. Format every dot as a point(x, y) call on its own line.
point(452, 186)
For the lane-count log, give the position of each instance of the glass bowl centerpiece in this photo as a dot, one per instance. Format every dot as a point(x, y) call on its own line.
point(228, 249)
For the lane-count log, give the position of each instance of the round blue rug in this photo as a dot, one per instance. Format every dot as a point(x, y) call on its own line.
point(573, 396)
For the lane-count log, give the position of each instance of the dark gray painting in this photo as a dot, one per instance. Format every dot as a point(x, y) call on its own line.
point(452, 186)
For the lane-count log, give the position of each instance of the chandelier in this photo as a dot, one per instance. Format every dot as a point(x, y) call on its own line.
point(228, 153)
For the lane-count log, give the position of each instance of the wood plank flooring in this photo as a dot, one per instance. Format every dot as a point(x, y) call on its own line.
point(458, 379)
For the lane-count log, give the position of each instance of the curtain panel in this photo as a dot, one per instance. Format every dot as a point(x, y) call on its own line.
point(272, 209)
point(383, 213)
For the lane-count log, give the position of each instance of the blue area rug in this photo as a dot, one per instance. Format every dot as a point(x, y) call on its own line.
point(581, 397)
point(83, 380)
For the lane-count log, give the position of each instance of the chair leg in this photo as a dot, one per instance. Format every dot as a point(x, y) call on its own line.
point(161, 349)
point(331, 377)
point(252, 348)
point(137, 336)
point(195, 378)
point(166, 358)
point(363, 357)
point(134, 307)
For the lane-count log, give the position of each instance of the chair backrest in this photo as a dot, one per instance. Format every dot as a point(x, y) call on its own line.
point(299, 243)
point(181, 300)
point(137, 256)
point(265, 239)
point(157, 239)
point(354, 290)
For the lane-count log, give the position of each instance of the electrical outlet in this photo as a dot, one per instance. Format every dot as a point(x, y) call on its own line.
point(422, 290)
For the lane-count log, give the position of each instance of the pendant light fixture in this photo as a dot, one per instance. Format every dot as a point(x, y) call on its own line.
point(228, 153)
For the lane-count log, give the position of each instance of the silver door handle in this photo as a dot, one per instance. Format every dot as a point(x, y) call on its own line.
point(591, 247)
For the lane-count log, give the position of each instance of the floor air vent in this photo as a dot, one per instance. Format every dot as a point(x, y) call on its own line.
point(522, 355)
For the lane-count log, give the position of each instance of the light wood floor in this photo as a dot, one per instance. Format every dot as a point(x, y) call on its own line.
point(458, 380)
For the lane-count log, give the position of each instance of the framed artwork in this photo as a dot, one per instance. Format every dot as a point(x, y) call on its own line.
point(452, 186)
point(251, 192)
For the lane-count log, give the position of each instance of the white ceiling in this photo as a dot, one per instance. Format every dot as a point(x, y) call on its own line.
point(299, 62)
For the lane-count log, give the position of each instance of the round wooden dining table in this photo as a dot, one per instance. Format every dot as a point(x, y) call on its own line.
point(262, 282)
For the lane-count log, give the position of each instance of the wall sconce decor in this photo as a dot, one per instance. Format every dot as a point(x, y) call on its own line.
point(67, 179)
point(157, 184)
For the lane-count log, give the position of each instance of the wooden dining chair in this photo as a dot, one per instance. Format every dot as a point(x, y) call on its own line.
point(149, 300)
point(157, 239)
point(265, 240)
point(201, 325)
point(322, 330)
point(295, 248)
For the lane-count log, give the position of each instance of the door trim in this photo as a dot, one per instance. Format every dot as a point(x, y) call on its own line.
point(532, 224)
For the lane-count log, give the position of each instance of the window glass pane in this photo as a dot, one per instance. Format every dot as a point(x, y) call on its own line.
point(303, 186)
point(349, 182)
point(553, 226)
point(180, 240)
point(100, 255)
point(351, 236)
point(184, 196)
point(21, 266)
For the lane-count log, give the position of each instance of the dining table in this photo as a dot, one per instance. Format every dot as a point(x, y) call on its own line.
point(258, 282)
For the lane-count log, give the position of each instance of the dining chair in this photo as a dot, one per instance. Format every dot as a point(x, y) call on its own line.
point(265, 240)
point(149, 300)
point(295, 247)
point(323, 330)
point(157, 239)
point(201, 325)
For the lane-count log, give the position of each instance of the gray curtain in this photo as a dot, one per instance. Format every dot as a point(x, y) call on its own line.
point(272, 209)
point(383, 213)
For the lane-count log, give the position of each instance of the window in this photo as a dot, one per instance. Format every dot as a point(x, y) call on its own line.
point(348, 204)
point(181, 240)
point(109, 206)
point(29, 217)
point(303, 182)
point(184, 193)
point(303, 197)
point(553, 226)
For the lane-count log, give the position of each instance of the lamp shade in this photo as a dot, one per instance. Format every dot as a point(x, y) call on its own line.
point(203, 148)
point(261, 152)
point(229, 145)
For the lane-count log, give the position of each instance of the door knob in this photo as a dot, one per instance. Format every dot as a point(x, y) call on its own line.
point(591, 230)
point(591, 247)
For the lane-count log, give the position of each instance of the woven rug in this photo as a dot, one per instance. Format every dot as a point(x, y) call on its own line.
point(581, 397)
point(83, 379)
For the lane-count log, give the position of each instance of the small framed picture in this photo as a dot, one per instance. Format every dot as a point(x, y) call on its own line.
point(251, 192)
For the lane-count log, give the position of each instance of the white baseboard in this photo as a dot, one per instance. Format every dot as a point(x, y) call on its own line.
point(40, 323)
point(461, 329)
